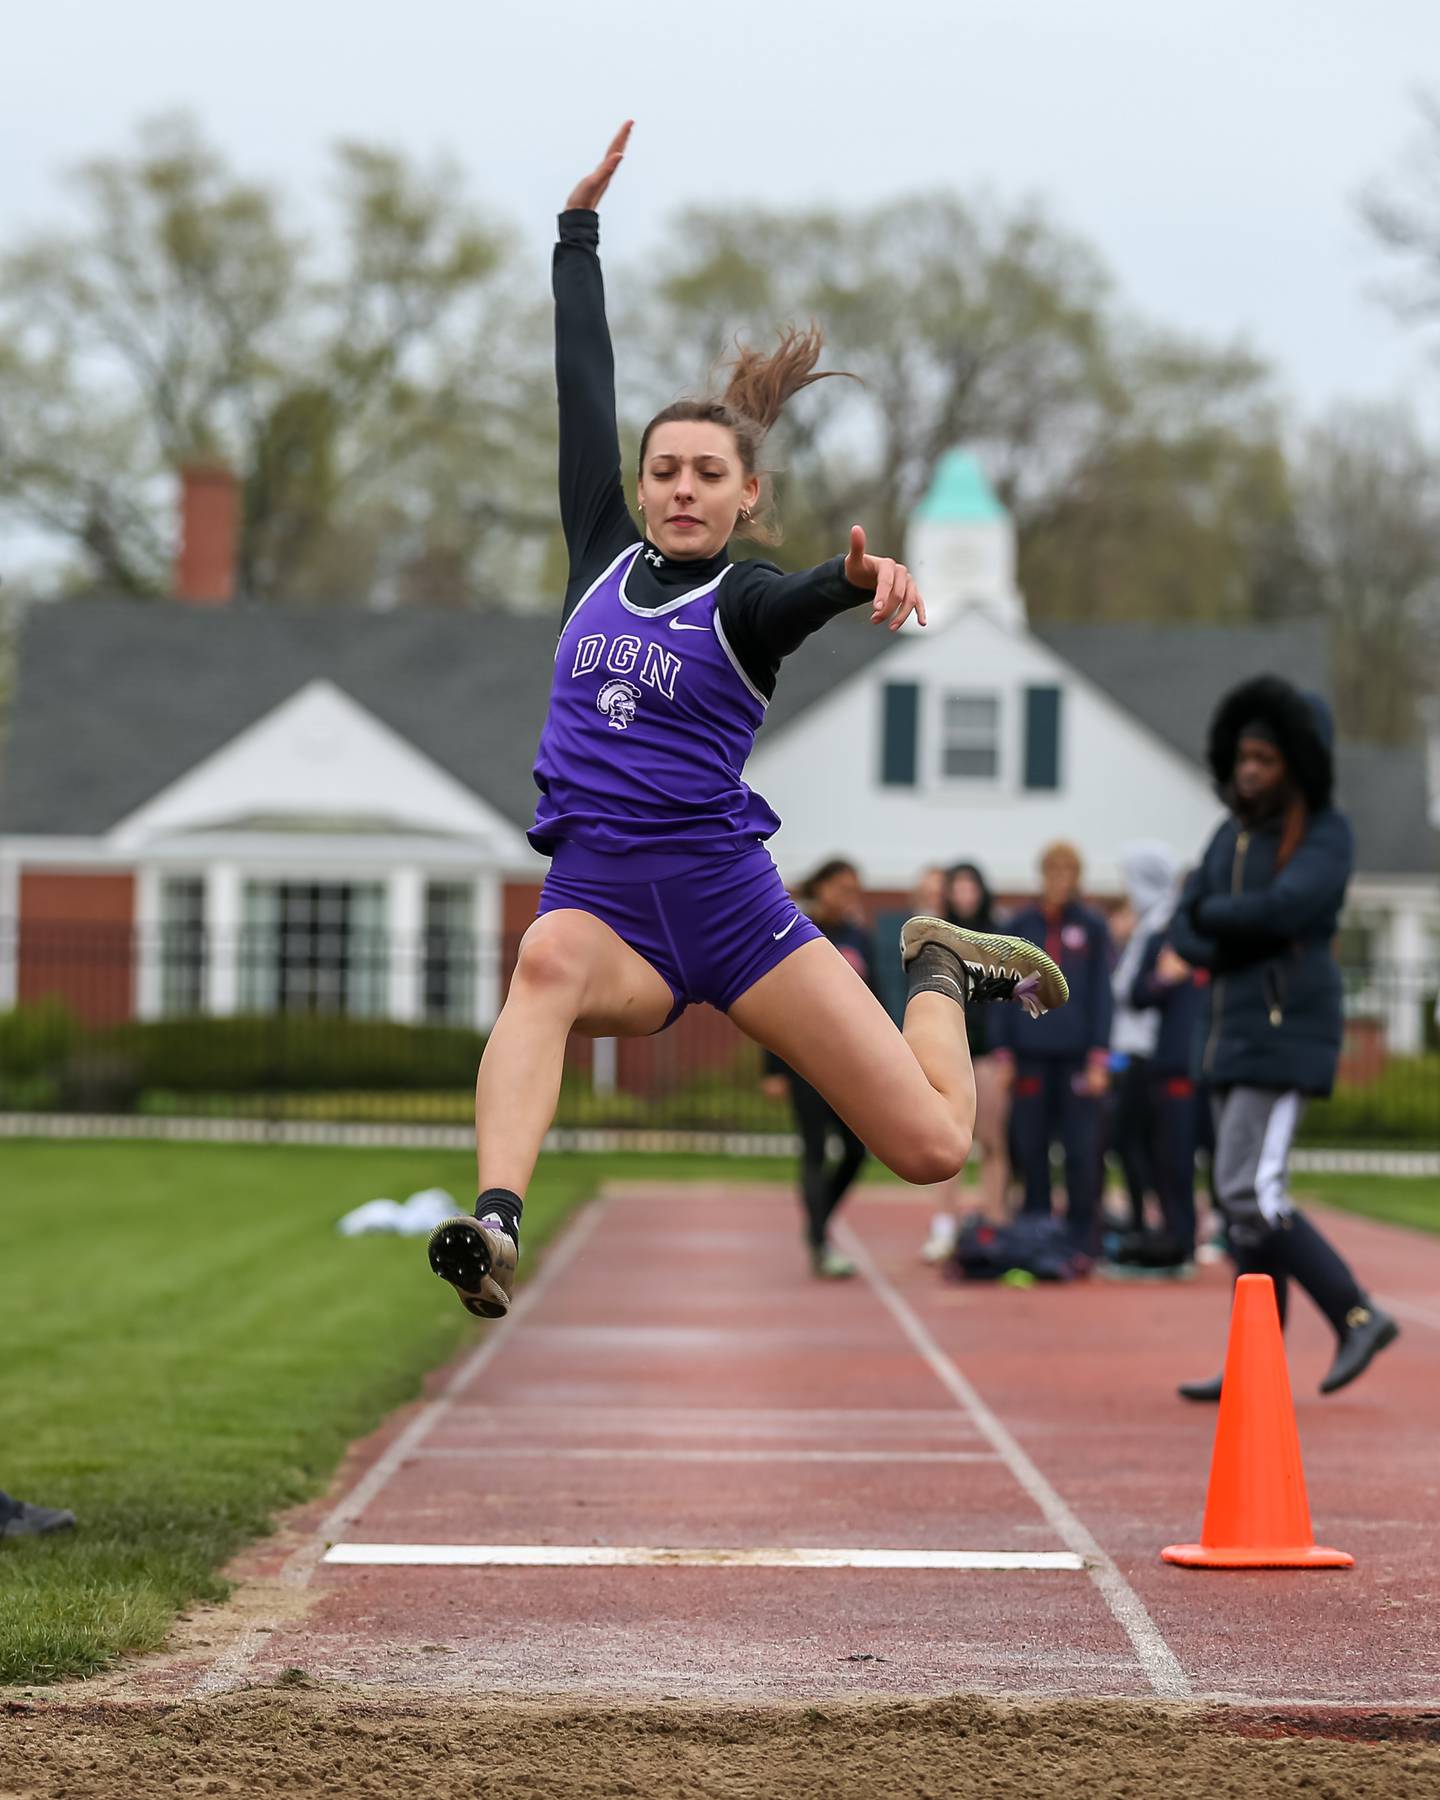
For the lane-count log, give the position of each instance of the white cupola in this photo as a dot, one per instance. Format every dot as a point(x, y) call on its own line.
point(961, 545)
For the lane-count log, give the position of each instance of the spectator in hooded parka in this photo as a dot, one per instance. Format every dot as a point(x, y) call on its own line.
point(1260, 913)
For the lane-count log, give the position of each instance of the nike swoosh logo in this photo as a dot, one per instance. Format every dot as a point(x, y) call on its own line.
point(777, 935)
point(680, 625)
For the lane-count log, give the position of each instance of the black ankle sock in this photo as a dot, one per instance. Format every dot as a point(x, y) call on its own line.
point(500, 1203)
point(935, 970)
point(1321, 1270)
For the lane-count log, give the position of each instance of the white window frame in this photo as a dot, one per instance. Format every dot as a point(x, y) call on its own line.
point(156, 945)
point(969, 783)
point(363, 955)
point(455, 932)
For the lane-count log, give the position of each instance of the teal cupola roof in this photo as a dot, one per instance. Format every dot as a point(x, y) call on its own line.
point(959, 494)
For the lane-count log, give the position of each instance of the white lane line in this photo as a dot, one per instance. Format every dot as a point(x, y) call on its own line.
point(1161, 1666)
point(797, 1415)
point(1417, 1315)
point(551, 1453)
point(627, 1556)
point(229, 1670)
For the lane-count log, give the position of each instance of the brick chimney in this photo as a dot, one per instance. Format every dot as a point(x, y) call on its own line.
point(209, 534)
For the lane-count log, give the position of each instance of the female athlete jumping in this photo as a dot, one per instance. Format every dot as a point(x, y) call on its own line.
point(661, 891)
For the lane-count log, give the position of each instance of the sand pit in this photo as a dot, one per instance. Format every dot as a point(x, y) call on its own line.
point(320, 1742)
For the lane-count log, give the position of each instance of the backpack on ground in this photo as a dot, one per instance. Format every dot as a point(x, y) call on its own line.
point(1038, 1246)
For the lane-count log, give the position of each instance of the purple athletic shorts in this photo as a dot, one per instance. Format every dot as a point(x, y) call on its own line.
point(709, 929)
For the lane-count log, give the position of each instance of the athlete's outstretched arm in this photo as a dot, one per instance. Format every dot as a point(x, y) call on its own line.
point(896, 597)
point(768, 615)
point(596, 520)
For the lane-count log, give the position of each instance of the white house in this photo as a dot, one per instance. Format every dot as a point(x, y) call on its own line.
point(233, 807)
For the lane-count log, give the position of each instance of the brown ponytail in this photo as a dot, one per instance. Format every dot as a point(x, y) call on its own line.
point(754, 397)
point(760, 385)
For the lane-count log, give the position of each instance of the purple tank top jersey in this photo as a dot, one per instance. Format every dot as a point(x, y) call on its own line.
point(651, 720)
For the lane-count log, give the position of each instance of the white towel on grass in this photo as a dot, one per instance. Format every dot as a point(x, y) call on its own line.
point(415, 1217)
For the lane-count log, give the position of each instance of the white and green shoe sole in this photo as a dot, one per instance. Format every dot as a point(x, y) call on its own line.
point(1039, 985)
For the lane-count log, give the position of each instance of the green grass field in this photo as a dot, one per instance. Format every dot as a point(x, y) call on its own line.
point(188, 1348)
point(1415, 1203)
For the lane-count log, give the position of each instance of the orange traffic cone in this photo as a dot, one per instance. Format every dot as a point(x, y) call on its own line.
point(1256, 1513)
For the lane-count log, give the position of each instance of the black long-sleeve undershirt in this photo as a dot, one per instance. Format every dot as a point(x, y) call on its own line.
point(765, 614)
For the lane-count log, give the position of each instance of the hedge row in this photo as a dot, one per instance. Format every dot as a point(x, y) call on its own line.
point(292, 1052)
point(47, 1060)
point(1402, 1106)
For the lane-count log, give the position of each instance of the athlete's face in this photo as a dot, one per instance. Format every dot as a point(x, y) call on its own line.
point(692, 487)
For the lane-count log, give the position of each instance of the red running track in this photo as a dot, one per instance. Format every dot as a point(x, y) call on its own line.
point(675, 1379)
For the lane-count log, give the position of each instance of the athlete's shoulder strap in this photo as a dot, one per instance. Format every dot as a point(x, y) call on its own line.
point(627, 557)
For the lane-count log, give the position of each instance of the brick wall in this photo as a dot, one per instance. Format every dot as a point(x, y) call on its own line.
point(77, 942)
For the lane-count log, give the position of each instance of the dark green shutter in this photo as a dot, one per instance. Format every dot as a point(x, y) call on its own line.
point(1042, 737)
point(899, 733)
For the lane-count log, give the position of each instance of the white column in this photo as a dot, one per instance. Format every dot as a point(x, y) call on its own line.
point(405, 928)
point(1405, 976)
point(9, 932)
point(149, 951)
point(488, 925)
point(223, 920)
point(604, 1065)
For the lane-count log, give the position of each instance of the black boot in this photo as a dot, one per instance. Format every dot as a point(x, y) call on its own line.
point(1201, 1390)
point(1367, 1332)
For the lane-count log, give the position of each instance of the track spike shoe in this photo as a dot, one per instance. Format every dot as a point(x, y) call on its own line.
point(479, 1263)
point(995, 968)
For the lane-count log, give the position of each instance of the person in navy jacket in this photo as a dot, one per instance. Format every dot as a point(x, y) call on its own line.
point(1260, 912)
point(1061, 1062)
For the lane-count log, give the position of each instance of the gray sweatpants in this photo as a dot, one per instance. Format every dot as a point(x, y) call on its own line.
point(1254, 1129)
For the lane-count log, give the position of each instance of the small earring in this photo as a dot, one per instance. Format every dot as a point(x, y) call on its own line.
point(745, 512)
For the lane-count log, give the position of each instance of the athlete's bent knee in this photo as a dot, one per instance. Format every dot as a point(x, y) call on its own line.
point(548, 964)
point(928, 1159)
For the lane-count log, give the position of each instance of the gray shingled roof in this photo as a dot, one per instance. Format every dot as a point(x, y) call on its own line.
point(1172, 676)
point(1386, 794)
point(116, 699)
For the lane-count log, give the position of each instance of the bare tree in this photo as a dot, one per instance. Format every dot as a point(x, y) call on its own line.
point(186, 320)
point(1403, 212)
point(1369, 492)
point(1145, 473)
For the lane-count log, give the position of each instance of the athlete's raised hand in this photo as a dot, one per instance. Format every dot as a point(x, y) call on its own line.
point(588, 192)
point(896, 595)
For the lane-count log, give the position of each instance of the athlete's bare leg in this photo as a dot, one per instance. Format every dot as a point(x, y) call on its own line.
point(573, 974)
point(910, 1097)
point(992, 1120)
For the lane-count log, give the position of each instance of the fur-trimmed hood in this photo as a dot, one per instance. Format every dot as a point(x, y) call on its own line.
point(1303, 727)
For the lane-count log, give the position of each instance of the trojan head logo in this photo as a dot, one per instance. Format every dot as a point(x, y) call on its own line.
point(617, 700)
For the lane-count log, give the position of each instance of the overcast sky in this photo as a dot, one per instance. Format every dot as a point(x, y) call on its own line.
point(1212, 152)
